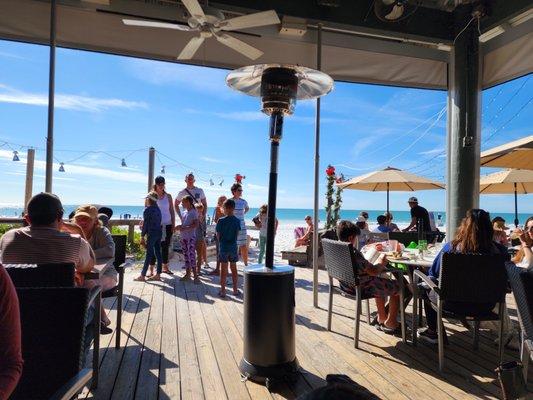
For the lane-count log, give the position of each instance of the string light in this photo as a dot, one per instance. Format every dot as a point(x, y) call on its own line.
point(221, 182)
point(123, 163)
point(211, 183)
point(163, 169)
point(16, 155)
point(61, 167)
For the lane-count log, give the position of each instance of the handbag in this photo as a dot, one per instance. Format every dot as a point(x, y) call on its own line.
point(512, 382)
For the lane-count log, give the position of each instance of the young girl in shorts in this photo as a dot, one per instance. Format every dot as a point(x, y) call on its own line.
point(188, 238)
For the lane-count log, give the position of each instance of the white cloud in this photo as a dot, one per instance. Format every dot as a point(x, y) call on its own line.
point(67, 101)
point(11, 55)
point(432, 151)
point(212, 160)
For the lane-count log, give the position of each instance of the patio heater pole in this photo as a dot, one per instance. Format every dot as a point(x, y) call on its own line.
point(317, 168)
point(151, 161)
point(515, 207)
point(51, 94)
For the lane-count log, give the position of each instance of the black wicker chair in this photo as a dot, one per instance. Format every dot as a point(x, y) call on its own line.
point(52, 342)
point(465, 279)
point(120, 264)
point(59, 275)
point(341, 265)
point(404, 237)
point(522, 285)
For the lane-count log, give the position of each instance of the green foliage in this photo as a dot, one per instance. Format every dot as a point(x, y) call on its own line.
point(134, 248)
point(330, 223)
point(6, 227)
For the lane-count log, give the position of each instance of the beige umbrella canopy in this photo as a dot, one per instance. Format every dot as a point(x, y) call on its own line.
point(390, 179)
point(517, 181)
point(516, 154)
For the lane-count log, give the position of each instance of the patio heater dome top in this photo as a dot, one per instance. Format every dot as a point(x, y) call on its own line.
point(280, 85)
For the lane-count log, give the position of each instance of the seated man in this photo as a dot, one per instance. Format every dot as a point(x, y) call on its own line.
point(382, 225)
point(43, 241)
point(370, 283)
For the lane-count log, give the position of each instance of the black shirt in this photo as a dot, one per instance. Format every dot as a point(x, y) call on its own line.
point(421, 214)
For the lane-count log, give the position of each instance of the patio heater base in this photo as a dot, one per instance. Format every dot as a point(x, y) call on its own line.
point(269, 330)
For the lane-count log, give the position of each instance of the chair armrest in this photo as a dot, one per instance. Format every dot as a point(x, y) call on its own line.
point(94, 293)
point(529, 346)
point(426, 279)
point(123, 266)
point(73, 386)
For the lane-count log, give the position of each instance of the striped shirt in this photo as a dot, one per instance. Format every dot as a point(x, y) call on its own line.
point(43, 245)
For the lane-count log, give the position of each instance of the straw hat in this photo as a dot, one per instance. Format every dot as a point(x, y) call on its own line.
point(86, 211)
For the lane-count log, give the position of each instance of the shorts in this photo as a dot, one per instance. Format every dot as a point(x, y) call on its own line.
point(228, 256)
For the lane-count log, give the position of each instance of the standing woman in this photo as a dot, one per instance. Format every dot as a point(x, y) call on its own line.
point(217, 214)
point(241, 208)
point(168, 221)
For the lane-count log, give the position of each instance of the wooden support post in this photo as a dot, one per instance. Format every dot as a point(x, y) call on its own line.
point(151, 161)
point(30, 161)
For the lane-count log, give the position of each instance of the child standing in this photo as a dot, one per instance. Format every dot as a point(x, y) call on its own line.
point(227, 229)
point(219, 213)
point(153, 230)
point(262, 217)
point(188, 238)
point(201, 229)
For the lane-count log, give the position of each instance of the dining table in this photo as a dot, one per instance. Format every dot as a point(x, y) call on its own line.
point(101, 265)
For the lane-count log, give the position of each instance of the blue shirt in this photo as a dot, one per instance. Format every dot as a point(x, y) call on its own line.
point(228, 228)
point(382, 229)
point(152, 220)
point(434, 271)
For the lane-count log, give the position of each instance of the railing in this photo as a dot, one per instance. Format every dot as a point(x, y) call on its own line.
point(130, 223)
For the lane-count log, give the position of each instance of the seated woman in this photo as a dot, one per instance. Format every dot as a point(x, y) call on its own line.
point(524, 257)
point(474, 236)
point(498, 224)
point(101, 241)
point(393, 227)
point(304, 240)
point(370, 283)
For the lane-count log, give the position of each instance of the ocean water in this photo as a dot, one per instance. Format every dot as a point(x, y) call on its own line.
point(286, 215)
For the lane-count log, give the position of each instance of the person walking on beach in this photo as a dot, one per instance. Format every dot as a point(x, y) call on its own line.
point(217, 214)
point(168, 219)
point(241, 208)
point(153, 232)
point(196, 194)
point(228, 228)
point(419, 215)
point(262, 218)
point(188, 238)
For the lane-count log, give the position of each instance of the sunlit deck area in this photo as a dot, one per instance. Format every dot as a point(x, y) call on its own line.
point(181, 341)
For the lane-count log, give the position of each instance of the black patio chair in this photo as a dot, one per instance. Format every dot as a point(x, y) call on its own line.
point(341, 265)
point(59, 275)
point(522, 285)
point(53, 342)
point(404, 237)
point(465, 280)
point(119, 264)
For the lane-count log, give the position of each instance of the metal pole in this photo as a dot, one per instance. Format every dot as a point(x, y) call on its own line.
point(151, 162)
point(317, 168)
point(515, 207)
point(51, 94)
point(388, 197)
point(30, 160)
point(276, 130)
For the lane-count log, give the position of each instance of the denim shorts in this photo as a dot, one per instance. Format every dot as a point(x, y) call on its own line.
point(228, 256)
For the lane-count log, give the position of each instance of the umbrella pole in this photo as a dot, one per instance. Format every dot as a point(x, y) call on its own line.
point(515, 206)
point(387, 197)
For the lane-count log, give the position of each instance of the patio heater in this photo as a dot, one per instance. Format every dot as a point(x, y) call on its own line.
point(269, 342)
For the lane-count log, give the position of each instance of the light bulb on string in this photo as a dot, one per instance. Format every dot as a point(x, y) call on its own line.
point(16, 156)
point(123, 163)
point(163, 169)
point(221, 182)
point(61, 167)
point(211, 183)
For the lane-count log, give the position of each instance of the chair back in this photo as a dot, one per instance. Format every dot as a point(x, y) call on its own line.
point(120, 249)
point(522, 285)
point(374, 237)
point(340, 261)
point(404, 238)
point(53, 330)
point(472, 278)
point(42, 275)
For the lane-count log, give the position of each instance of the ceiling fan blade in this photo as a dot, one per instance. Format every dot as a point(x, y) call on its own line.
point(238, 45)
point(195, 9)
point(251, 20)
point(191, 48)
point(155, 24)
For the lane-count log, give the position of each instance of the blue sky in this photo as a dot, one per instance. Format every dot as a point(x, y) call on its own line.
point(117, 105)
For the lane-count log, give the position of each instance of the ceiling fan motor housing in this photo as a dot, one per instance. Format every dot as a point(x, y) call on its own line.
point(279, 88)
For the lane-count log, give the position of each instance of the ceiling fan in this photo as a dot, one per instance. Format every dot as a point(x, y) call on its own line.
point(212, 24)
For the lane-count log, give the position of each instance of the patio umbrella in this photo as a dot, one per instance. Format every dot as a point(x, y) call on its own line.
point(516, 154)
point(517, 181)
point(390, 179)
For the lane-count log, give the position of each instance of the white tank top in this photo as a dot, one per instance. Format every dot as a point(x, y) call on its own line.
point(166, 218)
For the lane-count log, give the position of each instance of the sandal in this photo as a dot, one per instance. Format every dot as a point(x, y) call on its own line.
point(221, 294)
point(167, 271)
point(197, 280)
point(391, 331)
point(215, 272)
point(185, 278)
point(140, 279)
point(154, 278)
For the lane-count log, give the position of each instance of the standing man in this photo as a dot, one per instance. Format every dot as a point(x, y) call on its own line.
point(196, 193)
point(418, 215)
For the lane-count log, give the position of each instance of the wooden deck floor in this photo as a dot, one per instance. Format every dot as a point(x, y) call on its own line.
point(180, 341)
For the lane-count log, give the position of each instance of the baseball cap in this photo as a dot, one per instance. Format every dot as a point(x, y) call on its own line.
point(152, 196)
point(361, 219)
point(159, 179)
point(86, 211)
point(412, 200)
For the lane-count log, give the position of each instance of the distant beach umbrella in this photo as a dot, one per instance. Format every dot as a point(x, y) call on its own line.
point(16, 156)
point(390, 179)
point(61, 167)
point(516, 154)
point(123, 163)
point(517, 181)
